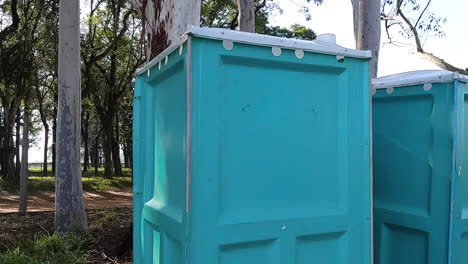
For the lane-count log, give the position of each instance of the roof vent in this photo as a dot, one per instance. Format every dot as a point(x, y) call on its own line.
point(327, 38)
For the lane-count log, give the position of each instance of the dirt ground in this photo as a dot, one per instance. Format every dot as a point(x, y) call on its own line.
point(44, 201)
point(106, 236)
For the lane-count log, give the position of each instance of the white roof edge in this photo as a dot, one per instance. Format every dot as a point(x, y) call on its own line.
point(271, 41)
point(163, 54)
point(417, 78)
point(257, 39)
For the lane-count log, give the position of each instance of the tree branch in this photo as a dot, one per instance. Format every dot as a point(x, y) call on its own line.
point(114, 41)
point(234, 21)
point(422, 13)
point(14, 23)
point(429, 56)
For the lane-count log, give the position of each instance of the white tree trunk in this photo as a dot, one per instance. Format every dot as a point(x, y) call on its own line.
point(69, 205)
point(24, 163)
point(247, 15)
point(367, 23)
point(167, 20)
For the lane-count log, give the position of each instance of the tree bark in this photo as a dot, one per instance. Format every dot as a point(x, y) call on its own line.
point(166, 21)
point(46, 144)
point(8, 147)
point(107, 148)
point(23, 205)
point(126, 155)
point(116, 148)
point(246, 15)
point(18, 143)
point(86, 139)
point(368, 30)
point(96, 154)
point(54, 137)
point(69, 205)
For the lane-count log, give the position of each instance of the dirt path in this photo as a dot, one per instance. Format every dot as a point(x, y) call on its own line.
point(45, 201)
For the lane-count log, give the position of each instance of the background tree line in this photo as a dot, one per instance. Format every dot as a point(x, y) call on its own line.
point(112, 48)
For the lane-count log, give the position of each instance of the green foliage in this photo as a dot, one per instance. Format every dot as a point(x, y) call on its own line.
point(224, 14)
point(50, 249)
point(91, 182)
point(110, 216)
point(296, 31)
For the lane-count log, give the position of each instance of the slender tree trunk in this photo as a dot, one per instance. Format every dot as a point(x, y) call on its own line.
point(126, 155)
point(246, 15)
point(96, 155)
point(107, 148)
point(130, 152)
point(368, 30)
point(24, 162)
point(116, 148)
point(54, 138)
point(8, 147)
point(18, 143)
point(46, 144)
point(86, 139)
point(69, 205)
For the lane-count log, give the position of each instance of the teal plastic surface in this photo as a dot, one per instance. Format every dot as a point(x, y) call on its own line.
point(245, 157)
point(420, 188)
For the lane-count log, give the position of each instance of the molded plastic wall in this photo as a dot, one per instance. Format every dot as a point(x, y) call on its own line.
point(419, 184)
point(272, 151)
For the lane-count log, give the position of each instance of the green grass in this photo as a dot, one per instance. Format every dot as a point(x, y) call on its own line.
point(110, 216)
point(51, 249)
point(91, 182)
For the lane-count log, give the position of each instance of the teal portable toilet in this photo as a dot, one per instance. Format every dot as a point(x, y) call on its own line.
point(252, 149)
point(420, 177)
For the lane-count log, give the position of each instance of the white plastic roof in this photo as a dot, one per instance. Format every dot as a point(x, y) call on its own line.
point(265, 40)
point(417, 78)
point(259, 40)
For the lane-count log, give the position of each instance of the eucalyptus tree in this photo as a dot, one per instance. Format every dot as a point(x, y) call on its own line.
point(69, 204)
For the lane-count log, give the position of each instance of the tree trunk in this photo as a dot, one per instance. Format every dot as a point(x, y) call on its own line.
point(86, 139)
point(368, 30)
point(166, 21)
point(18, 143)
point(107, 148)
point(24, 162)
point(54, 137)
point(96, 155)
point(70, 212)
point(116, 148)
point(126, 155)
point(246, 15)
point(46, 144)
point(8, 147)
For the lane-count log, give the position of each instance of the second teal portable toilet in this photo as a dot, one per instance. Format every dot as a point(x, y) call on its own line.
point(420, 135)
point(251, 149)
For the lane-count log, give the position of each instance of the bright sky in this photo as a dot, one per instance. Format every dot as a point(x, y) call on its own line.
point(335, 16)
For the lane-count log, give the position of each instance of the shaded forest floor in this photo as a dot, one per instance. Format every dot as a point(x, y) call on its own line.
point(45, 201)
point(107, 229)
point(99, 193)
point(30, 238)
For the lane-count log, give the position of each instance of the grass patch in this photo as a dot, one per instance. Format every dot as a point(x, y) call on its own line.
point(110, 216)
point(53, 249)
point(38, 182)
point(47, 184)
